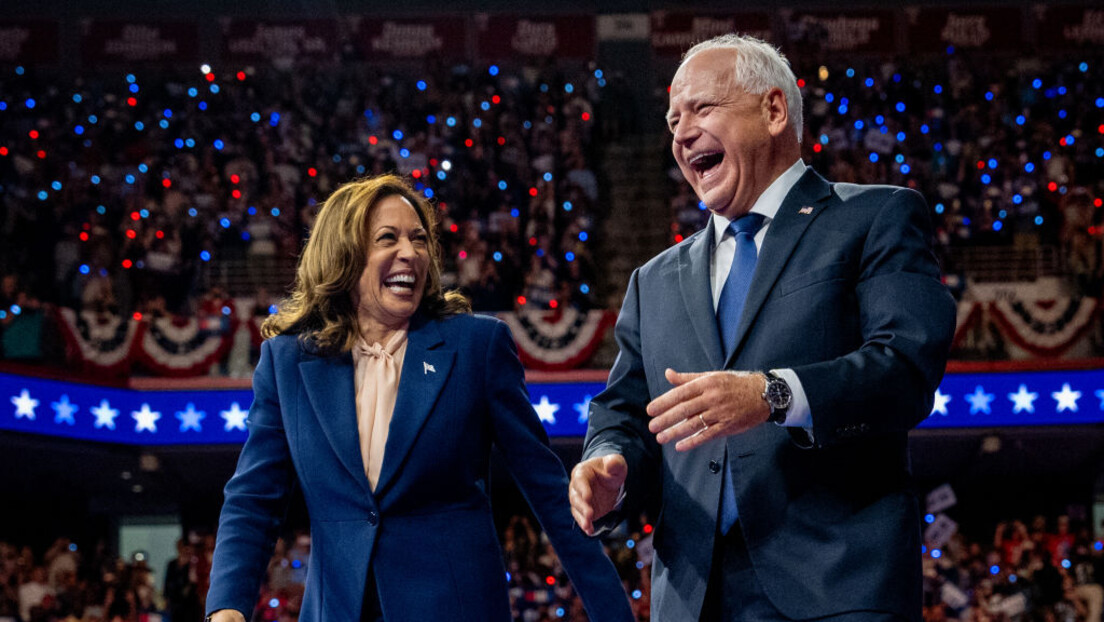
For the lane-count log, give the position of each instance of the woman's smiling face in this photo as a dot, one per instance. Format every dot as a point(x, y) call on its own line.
point(394, 278)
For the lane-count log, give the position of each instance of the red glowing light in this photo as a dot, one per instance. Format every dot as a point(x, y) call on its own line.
point(313, 172)
point(83, 236)
point(463, 254)
point(3, 151)
point(210, 77)
point(647, 529)
point(41, 154)
point(127, 264)
point(160, 235)
point(137, 315)
point(453, 228)
point(372, 140)
point(550, 580)
point(416, 174)
point(1063, 141)
point(1098, 202)
point(236, 193)
point(553, 304)
point(533, 191)
point(166, 183)
point(817, 147)
point(33, 134)
point(1100, 128)
point(1052, 186)
point(234, 179)
point(501, 140)
point(532, 241)
point(586, 116)
point(678, 238)
point(132, 102)
point(131, 233)
point(241, 76)
point(981, 165)
point(468, 143)
point(433, 161)
point(801, 83)
point(495, 99)
point(521, 300)
point(135, 216)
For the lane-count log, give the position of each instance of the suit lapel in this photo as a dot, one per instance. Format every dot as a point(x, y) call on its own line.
point(425, 369)
point(330, 389)
point(805, 201)
point(694, 260)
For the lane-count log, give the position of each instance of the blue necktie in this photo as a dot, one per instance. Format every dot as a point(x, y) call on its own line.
point(729, 308)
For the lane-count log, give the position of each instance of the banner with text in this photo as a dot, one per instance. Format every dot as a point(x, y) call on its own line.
point(674, 32)
point(563, 36)
point(250, 40)
point(1070, 27)
point(859, 31)
point(124, 41)
point(30, 41)
point(389, 39)
point(991, 29)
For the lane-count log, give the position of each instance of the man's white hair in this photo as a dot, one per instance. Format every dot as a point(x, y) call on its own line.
point(758, 67)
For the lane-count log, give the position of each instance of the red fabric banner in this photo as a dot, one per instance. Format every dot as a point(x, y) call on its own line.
point(124, 41)
point(251, 40)
point(563, 36)
point(675, 32)
point(854, 31)
point(388, 39)
point(992, 29)
point(1070, 27)
point(30, 41)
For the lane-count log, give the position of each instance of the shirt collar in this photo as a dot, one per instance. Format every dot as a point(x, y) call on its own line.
point(768, 203)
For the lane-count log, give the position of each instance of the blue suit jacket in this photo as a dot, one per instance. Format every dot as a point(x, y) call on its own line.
point(427, 529)
point(846, 293)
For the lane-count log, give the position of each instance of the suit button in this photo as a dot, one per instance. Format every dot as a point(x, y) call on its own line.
point(714, 466)
point(373, 519)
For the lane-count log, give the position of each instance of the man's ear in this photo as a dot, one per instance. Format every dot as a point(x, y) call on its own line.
point(776, 111)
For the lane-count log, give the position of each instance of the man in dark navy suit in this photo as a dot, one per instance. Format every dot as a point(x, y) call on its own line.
point(771, 367)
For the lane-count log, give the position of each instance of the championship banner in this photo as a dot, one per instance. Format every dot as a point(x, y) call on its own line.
point(502, 37)
point(251, 40)
point(1070, 27)
point(125, 41)
point(675, 32)
point(557, 340)
point(854, 31)
point(30, 41)
point(391, 39)
point(97, 343)
point(992, 29)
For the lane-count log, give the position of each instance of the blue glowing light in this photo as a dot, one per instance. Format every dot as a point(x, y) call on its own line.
point(493, 70)
point(1017, 199)
point(133, 88)
point(441, 175)
point(143, 168)
point(190, 142)
point(477, 123)
point(397, 135)
point(936, 553)
point(84, 269)
point(1020, 119)
point(144, 213)
point(275, 212)
point(828, 97)
point(929, 518)
point(900, 107)
point(850, 72)
point(567, 206)
point(859, 124)
point(1046, 155)
point(901, 137)
point(998, 225)
point(939, 208)
point(78, 130)
point(179, 142)
point(95, 181)
point(428, 192)
point(992, 163)
point(1029, 167)
point(131, 79)
point(842, 109)
point(1066, 563)
point(225, 222)
point(584, 288)
point(905, 169)
point(568, 88)
point(899, 158)
point(485, 105)
point(514, 213)
point(219, 144)
point(421, 85)
point(869, 82)
point(1038, 220)
point(274, 603)
point(215, 88)
point(497, 256)
point(43, 195)
point(163, 124)
point(451, 121)
point(205, 256)
point(1037, 83)
point(824, 139)
point(129, 179)
point(583, 236)
point(547, 177)
point(274, 119)
point(924, 129)
point(986, 179)
point(873, 157)
point(404, 152)
point(255, 117)
point(569, 256)
point(938, 89)
point(994, 569)
point(431, 119)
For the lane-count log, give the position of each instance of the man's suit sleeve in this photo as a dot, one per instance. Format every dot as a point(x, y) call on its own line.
point(521, 439)
point(618, 421)
point(256, 500)
point(906, 319)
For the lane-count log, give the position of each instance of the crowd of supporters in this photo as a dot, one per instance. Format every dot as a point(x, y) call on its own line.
point(131, 190)
point(1041, 572)
point(1006, 150)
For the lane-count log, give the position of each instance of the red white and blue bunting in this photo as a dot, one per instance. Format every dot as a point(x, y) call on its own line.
point(1038, 329)
point(100, 344)
point(557, 340)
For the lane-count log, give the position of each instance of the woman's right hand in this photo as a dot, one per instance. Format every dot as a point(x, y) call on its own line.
point(227, 615)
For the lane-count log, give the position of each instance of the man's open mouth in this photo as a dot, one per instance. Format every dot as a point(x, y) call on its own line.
point(703, 162)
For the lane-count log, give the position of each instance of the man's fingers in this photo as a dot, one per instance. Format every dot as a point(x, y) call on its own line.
point(679, 378)
point(680, 421)
point(616, 469)
point(699, 438)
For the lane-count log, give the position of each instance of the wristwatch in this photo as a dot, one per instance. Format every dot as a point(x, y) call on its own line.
point(778, 397)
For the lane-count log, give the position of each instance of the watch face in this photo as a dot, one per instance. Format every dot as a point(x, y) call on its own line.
point(778, 395)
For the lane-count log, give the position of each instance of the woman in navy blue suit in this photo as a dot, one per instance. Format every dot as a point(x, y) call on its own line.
point(380, 395)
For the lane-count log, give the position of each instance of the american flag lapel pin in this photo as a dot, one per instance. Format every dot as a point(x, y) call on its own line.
point(808, 209)
point(426, 368)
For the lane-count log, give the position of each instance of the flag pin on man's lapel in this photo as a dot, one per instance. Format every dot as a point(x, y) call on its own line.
point(808, 209)
point(426, 368)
